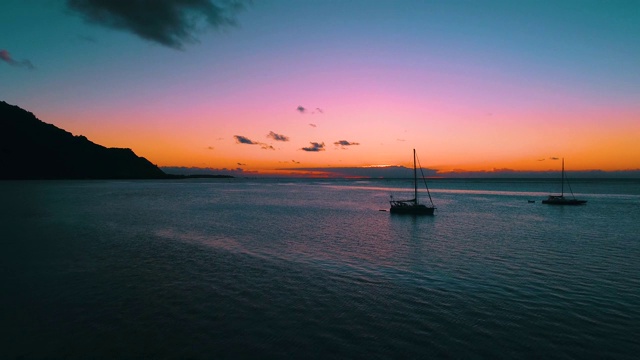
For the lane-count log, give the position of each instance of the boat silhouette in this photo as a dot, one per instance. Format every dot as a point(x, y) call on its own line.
point(560, 199)
point(413, 206)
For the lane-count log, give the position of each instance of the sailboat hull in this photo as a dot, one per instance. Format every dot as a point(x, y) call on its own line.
point(561, 200)
point(412, 210)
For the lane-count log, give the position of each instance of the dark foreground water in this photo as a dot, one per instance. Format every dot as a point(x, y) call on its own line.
point(307, 269)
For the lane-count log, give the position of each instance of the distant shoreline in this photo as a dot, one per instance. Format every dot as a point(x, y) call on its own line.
point(337, 178)
point(174, 176)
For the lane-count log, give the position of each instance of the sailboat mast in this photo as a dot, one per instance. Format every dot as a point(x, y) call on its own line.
point(562, 186)
point(415, 178)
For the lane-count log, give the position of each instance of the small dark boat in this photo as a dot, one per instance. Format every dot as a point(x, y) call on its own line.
point(412, 206)
point(560, 199)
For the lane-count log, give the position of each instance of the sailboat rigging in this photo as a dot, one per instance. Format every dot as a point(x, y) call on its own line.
point(412, 206)
point(560, 199)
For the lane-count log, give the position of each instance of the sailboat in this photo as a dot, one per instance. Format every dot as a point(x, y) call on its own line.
point(412, 206)
point(560, 199)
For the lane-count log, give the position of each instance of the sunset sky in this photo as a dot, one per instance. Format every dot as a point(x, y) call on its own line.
point(300, 84)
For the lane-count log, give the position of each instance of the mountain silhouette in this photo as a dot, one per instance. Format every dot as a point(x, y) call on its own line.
point(32, 149)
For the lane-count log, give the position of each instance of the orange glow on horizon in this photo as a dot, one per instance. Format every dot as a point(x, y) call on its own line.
point(446, 138)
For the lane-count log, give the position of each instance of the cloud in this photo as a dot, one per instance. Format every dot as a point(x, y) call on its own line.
point(172, 23)
point(303, 110)
point(277, 137)
point(315, 147)
point(313, 125)
point(541, 159)
point(389, 172)
point(210, 148)
point(6, 57)
point(554, 158)
point(244, 140)
point(344, 143)
point(181, 170)
point(241, 164)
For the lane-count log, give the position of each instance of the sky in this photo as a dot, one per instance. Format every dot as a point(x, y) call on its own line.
point(291, 86)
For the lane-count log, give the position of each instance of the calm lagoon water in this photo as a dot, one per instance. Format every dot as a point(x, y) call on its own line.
point(245, 268)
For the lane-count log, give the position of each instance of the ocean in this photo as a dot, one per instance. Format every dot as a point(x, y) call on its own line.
point(313, 269)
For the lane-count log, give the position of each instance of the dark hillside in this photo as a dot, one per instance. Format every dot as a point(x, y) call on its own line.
point(32, 149)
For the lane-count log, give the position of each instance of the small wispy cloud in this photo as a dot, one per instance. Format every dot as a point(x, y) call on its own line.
point(344, 143)
point(315, 147)
point(303, 110)
point(6, 57)
point(245, 140)
point(172, 23)
point(277, 137)
point(554, 158)
point(313, 125)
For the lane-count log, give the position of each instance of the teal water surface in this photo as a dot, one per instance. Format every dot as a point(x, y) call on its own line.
point(312, 268)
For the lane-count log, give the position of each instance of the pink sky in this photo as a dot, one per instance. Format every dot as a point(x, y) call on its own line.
point(497, 86)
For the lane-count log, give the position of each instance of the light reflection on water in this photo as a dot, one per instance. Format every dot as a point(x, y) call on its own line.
point(232, 268)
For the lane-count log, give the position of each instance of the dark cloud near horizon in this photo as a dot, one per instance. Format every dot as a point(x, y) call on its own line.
point(6, 57)
point(301, 109)
point(245, 140)
point(554, 158)
point(315, 147)
point(277, 137)
point(403, 172)
point(367, 172)
point(344, 143)
point(172, 23)
point(182, 170)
